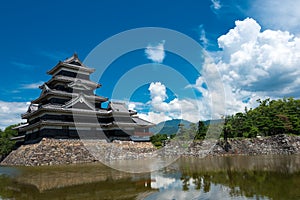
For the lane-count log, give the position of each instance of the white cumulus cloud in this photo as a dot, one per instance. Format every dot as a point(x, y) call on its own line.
point(262, 61)
point(10, 113)
point(156, 53)
point(161, 110)
point(154, 117)
point(254, 64)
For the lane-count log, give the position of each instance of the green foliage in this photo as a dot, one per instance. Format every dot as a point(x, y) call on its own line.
point(158, 139)
point(271, 117)
point(6, 145)
point(201, 132)
point(194, 131)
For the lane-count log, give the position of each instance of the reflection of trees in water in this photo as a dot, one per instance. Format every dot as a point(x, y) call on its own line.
point(197, 180)
point(185, 183)
point(274, 185)
point(206, 181)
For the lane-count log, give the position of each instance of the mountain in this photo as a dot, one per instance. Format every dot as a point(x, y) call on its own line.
point(169, 127)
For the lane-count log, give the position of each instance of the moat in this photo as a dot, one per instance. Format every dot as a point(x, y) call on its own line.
point(229, 177)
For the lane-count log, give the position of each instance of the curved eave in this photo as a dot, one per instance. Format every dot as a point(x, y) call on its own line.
point(67, 110)
point(123, 113)
point(120, 113)
point(142, 122)
point(66, 79)
point(18, 138)
point(126, 124)
point(20, 126)
point(60, 123)
point(66, 94)
point(60, 64)
point(132, 112)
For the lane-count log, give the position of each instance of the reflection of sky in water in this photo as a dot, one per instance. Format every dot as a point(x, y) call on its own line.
point(164, 182)
point(8, 171)
point(170, 186)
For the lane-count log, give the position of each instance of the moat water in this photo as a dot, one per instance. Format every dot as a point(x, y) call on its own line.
point(239, 177)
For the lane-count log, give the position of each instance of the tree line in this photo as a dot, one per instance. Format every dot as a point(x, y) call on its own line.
point(6, 145)
point(270, 117)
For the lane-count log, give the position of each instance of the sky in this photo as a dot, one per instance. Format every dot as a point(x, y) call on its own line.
point(250, 49)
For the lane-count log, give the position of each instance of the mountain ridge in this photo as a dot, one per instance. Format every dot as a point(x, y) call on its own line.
point(170, 127)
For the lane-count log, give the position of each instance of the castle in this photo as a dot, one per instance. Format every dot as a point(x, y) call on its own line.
point(68, 108)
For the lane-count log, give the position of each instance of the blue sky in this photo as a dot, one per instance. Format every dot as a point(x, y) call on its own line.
point(255, 46)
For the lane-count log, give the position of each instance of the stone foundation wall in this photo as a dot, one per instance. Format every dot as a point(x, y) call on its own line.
point(49, 152)
point(72, 151)
point(276, 145)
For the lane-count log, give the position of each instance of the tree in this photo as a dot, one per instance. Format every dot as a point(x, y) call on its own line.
point(6, 145)
point(158, 140)
point(201, 132)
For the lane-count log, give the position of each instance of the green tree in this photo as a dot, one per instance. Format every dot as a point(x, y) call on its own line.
point(158, 140)
point(201, 132)
point(6, 145)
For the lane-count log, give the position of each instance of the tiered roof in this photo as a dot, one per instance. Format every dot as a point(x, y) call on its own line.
point(71, 92)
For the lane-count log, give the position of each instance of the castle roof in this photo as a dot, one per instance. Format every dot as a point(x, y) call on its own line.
point(141, 122)
point(72, 63)
point(47, 92)
point(66, 79)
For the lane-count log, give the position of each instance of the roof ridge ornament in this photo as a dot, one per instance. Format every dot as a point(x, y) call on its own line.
point(75, 55)
point(46, 87)
point(81, 97)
